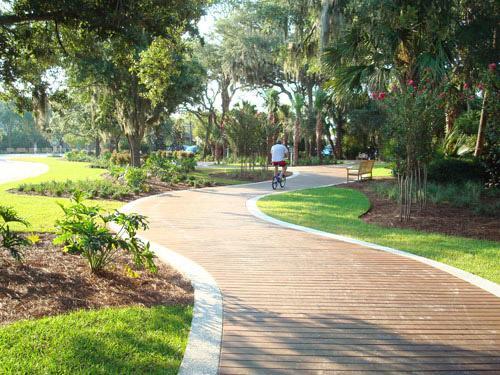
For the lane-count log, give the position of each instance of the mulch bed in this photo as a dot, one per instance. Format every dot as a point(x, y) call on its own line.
point(50, 282)
point(438, 218)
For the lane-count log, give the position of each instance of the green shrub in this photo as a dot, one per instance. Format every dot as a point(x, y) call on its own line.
point(465, 194)
point(120, 158)
point(83, 230)
point(187, 164)
point(12, 241)
point(93, 188)
point(80, 156)
point(445, 170)
point(116, 171)
point(492, 210)
point(136, 178)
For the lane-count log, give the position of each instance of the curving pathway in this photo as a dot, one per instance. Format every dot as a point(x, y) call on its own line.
point(295, 302)
point(11, 170)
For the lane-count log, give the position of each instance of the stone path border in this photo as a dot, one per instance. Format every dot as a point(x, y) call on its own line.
point(202, 352)
point(478, 281)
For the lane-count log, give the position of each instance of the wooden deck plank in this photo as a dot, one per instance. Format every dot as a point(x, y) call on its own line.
point(305, 304)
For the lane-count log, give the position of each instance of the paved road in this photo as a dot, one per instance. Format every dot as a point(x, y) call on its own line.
point(298, 303)
point(16, 170)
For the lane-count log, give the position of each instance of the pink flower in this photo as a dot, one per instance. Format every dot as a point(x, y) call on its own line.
point(492, 67)
point(375, 95)
point(411, 82)
point(381, 95)
point(466, 86)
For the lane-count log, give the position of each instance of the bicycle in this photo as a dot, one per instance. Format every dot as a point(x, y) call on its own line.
point(280, 180)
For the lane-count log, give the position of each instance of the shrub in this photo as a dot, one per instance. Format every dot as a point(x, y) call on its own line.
point(136, 178)
point(187, 164)
point(80, 156)
point(12, 241)
point(83, 230)
point(120, 158)
point(465, 194)
point(445, 170)
point(92, 188)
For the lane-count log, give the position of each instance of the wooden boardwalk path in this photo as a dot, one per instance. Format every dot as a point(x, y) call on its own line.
point(297, 303)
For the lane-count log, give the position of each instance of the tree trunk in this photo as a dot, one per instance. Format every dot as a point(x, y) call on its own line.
point(481, 132)
point(97, 146)
point(135, 150)
point(339, 138)
point(307, 143)
point(319, 136)
point(296, 141)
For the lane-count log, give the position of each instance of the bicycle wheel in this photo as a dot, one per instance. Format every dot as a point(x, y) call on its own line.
point(274, 183)
point(283, 182)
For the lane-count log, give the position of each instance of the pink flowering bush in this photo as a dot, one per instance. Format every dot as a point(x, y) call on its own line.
point(414, 115)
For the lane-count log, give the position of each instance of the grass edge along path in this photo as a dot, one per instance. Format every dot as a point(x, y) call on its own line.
point(42, 211)
point(338, 210)
point(128, 340)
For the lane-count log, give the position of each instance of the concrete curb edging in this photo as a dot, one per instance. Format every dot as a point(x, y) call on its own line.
point(484, 284)
point(202, 353)
point(203, 349)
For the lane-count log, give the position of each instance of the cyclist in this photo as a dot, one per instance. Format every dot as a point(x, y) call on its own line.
point(278, 154)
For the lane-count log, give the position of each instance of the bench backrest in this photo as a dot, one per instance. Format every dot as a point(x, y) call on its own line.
point(366, 166)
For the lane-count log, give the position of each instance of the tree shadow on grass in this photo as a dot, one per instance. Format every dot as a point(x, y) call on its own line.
point(146, 350)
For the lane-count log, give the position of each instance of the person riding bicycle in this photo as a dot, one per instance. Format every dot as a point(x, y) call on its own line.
point(279, 153)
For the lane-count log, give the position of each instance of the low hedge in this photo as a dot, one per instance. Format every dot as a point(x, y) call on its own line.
point(92, 188)
point(446, 170)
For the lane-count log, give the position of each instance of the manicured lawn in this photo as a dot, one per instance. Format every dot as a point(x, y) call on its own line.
point(110, 341)
point(337, 210)
point(40, 211)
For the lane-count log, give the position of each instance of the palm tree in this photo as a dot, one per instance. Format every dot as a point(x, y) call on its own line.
point(272, 100)
point(320, 102)
point(298, 106)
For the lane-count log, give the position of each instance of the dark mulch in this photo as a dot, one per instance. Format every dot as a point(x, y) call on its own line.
point(438, 218)
point(50, 282)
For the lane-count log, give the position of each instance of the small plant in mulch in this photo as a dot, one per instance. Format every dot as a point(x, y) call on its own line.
point(83, 230)
point(13, 242)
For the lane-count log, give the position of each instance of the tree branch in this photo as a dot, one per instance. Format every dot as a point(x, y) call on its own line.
point(10, 19)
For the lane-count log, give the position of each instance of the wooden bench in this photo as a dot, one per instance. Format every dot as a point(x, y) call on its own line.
point(361, 171)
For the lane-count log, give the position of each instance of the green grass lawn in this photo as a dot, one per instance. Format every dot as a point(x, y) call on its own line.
point(337, 210)
point(132, 340)
point(41, 211)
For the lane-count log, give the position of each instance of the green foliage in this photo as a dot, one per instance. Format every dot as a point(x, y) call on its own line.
point(491, 157)
point(413, 116)
point(19, 131)
point(136, 178)
point(247, 131)
point(81, 156)
point(444, 170)
point(92, 188)
point(120, 158)
point(12, 241)
point(83, 230)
